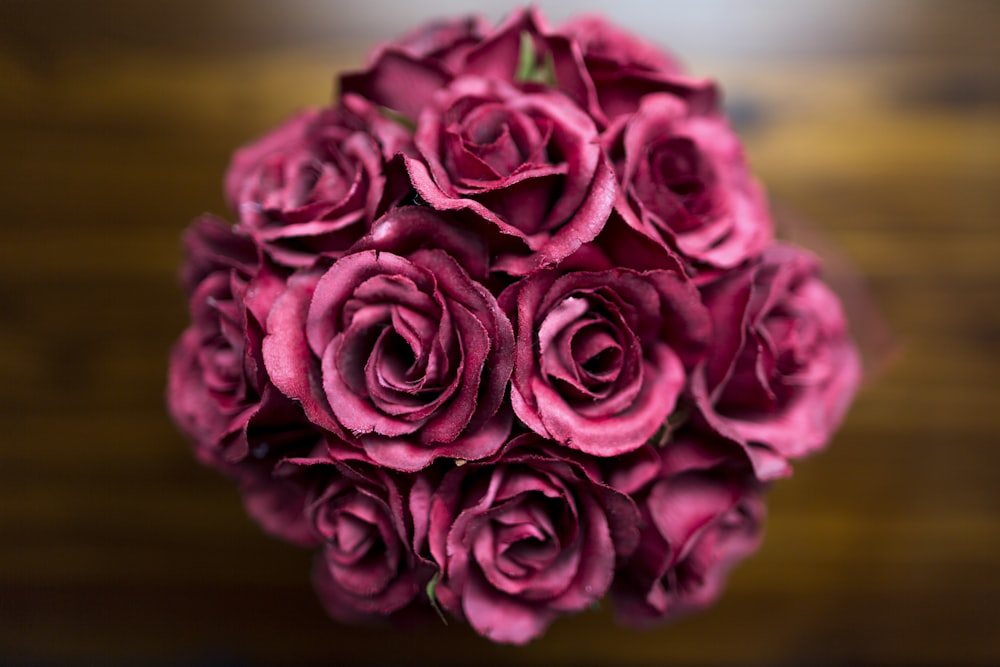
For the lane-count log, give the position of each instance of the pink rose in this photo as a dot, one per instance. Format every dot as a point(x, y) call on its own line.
point(218, 391)
point(601, 357)
point(606, 44)
point(622, 69)
point(404, 354)
point(781, 369)
point(602, 69)
point(277, 502)
point(525, 538)
point(528, 161)
point(404, 75)
point(358, 514)
point(311, 186)
point(701, 516)
point(685, 182)
point(444, 42)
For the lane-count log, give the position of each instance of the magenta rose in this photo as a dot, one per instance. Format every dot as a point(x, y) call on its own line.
point(218, 391)
point(781, 368)
point(312, 185)
point(405, 74)
point(602, 356)
point(444, 42)
point(277, 502)
point(404, 354)
point(359, 516)
point(605, 43)
point(622, 70)
point(525, 538)
point(211, 244)
point(527, 161)
point(685, 182)
point(701, 516)
point(601, 41)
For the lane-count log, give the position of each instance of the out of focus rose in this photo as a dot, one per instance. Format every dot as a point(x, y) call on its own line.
point(444, 42)
point(277, 502)
point(606, 46)
point(218, 391)
point(602, 356)
point(701, 515)
point(524, 538)
point(781, 369)
point(359, 516)
point(406, 355)
point(311, 186)
point(684, 181)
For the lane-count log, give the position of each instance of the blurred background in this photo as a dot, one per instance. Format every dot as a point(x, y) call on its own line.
point(876, 123)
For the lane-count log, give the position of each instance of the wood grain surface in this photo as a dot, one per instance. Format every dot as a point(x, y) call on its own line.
point(117, 119)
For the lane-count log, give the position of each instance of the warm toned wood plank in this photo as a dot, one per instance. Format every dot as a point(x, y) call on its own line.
point(116, 121)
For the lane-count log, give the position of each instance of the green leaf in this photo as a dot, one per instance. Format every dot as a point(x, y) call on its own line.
point(526, 58)
point(529, 69)
point(665, 433)
point(432, 596)
point(398, 118)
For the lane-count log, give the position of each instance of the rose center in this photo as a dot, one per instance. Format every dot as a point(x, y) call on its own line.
point(597, 352)
point(498, 137)
point(678, 177)
point(352, 538)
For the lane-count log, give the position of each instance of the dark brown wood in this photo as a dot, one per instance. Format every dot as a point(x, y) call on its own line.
point(116, 122)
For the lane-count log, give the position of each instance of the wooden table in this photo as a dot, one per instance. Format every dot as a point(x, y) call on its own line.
point(116, 122)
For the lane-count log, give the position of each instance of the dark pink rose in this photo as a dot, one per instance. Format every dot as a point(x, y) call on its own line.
point(218, 391)
point(622, 70)
point(601, 357)
point(406, 355)
point(685, 182)
point(444, 41)
point(311, 186)
point(275, 501)
point(528, 161)
point(602, 42)
point(211, 244)
point(701, 516)
point(359, 516)
point(781, 368)
point(525, 538)
point(404, 75)
point(599, 67)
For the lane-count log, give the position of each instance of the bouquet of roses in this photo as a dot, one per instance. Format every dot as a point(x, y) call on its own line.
point(504, 331)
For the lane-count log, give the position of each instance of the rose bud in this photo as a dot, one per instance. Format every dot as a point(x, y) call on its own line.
point(526, 537)
point(701, 516)
point(404, 354)
point(781, 368)
point(685, 183)
point(602, 356)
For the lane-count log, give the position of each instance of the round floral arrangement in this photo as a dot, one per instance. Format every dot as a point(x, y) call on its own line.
point(504, 331)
